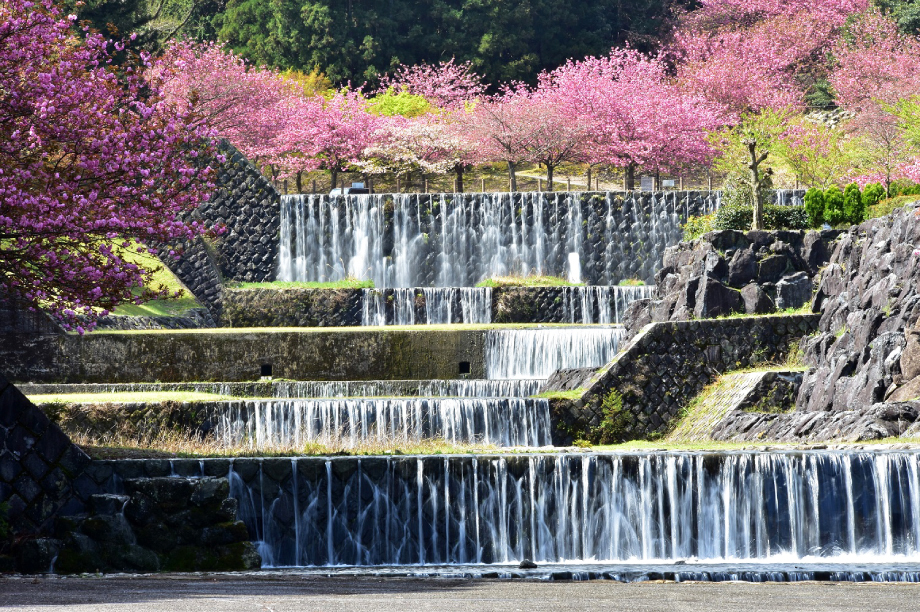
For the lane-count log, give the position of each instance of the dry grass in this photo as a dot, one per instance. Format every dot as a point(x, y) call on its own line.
point(527, 281)
point(129, 397)
point(126, 443)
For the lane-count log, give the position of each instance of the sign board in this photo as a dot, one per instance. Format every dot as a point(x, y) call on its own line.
point(667, 183)
point(647, 183)
point(357, 185)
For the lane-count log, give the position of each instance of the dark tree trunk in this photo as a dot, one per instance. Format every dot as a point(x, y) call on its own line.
point(459, 186)
point(549, 177)
point(512, 176)
point(630, 171)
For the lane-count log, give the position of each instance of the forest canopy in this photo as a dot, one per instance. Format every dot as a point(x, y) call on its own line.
point(360, 40)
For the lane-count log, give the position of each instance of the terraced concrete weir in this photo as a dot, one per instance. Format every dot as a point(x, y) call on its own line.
point(263, 424)
point(313, 388)
point(831, 507)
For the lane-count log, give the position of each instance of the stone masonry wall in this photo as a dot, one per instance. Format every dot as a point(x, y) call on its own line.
point(249, 207)
point(38, 465)
point(292, 307)
point(662, 369)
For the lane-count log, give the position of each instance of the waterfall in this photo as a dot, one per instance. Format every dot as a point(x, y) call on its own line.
point(601, 304)
point(431, 305)
point(798, 507)
point(266, 424)
point(537, 353)
point(457, 240)
point(421, 388)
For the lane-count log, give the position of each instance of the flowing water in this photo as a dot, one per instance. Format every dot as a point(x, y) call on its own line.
point(431, 305)
point(266, 424)
point(601, 304)
point(457, 240)
point(537, 353)
point(834, 507)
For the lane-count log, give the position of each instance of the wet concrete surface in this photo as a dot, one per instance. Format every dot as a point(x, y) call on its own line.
point(232, 593)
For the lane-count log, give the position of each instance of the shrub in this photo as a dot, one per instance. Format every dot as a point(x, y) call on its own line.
point(697, 226)
point(614, 427)
point(814, 206)
point(873, 194)
point(903, 187)
point(833, 206)
point(854, 210)
point(777, 217)
point(733, 217)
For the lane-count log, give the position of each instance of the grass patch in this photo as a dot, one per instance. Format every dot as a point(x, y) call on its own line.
point(129, 397)
point(574, 394)
point(346, 283)
point(888, 206)
point(527, 281)
point(631, 282)
point(187, 444)
point(162, 277)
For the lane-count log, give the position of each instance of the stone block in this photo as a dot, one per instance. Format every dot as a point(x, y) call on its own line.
point(771, 269)
point(756, 301)
point(793, 291)
point(714, 299)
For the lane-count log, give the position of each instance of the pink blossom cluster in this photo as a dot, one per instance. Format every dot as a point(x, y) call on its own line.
point(753, 55)
point(91, 158)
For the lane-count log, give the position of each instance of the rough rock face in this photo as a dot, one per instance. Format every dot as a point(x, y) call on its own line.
point(868, 346)
point(173, 524)
point(873, 423)
point(729, 271)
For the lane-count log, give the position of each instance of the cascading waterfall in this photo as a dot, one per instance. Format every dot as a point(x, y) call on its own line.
point(457, 240)
point(600, 304)
point(431, 305)
point(843, 507)
point(265, 424)
point(537, 353)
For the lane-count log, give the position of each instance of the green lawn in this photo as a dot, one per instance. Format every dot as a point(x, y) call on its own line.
point(162, 277)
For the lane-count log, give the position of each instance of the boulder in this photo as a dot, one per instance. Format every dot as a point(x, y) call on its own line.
point(756, 301)
point(742, 269)
point(771, 269)
point(793, 291)
point(713, 299)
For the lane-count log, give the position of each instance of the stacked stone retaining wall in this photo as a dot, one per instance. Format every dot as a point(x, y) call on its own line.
point(662, 369)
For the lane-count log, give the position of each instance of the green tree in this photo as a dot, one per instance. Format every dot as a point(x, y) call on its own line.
point(359, 40)
point(814, 206)
point(873, 194)
point(854, 210)
point(834, 212)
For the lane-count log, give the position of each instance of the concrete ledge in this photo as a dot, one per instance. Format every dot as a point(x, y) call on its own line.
point(239, 355)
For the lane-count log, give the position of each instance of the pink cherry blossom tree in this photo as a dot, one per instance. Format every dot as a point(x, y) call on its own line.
point(240, 102)
point(447, 85)
point(632, 114)
point(329, 134)
point(90, 160)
